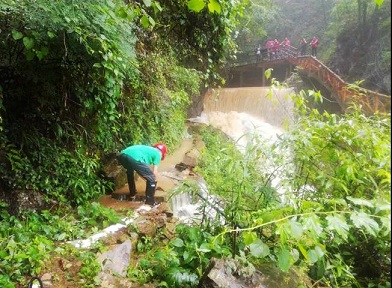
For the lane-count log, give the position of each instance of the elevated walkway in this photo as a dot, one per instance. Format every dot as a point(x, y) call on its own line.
point(284, 63)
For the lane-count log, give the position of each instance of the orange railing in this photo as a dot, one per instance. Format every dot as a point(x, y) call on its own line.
point(344, 93)
point(371, 101)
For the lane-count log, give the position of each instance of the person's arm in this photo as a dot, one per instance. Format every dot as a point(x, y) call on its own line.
point(155, 170)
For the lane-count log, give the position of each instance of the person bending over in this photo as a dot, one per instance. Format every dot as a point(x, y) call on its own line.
point(145, 161)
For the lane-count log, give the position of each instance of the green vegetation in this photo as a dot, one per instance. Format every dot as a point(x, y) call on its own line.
point(332, 222)
point(84, 91)
point(354, 35)
point(82, 79)
point(182, 262)
point(27, 242)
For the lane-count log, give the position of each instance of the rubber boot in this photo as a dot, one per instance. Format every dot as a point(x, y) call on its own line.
point(150, 192)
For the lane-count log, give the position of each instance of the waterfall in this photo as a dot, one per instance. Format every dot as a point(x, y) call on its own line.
point(237, 112)
point(267, 105)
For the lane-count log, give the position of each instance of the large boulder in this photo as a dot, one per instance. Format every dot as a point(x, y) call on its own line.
point(113, 171)
point(234, 273)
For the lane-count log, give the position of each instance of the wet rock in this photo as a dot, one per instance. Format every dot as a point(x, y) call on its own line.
point(110, 281)
point(147, 225)
point(170, 230)
point(191, 157)
point(231, 273)
point(24, 200)
point(221, 275)
point(181, 166)
point(112, 170)
point(117, 259)
point(47, 279)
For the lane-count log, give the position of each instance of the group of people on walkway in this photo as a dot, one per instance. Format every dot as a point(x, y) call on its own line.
point(273, 49)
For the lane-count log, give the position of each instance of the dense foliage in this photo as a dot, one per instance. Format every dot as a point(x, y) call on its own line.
point(328, 215)
point(81, 79)
point(361, 48)
point(354, 36)
point(29, 241)
point(86, 81)
point(333, 217)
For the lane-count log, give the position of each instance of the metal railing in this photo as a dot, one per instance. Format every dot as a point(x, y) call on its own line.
point(344, 92)
point(250, 57)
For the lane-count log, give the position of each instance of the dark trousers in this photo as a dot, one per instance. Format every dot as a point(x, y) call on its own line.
point(144, 171)
point(303, 50)
point(314, 51)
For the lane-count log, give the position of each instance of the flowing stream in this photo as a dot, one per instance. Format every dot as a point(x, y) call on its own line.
point(238, 112)
point(250, 110)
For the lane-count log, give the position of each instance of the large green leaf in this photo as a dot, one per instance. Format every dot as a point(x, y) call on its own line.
point(144, 21)
point(339, 224)
point(178, 277)
point(28, 42)
point(284, 260)
point(214, 6)
point(312, 224)
point(205, 247)
point(196, 5)
point(315, 254)
point(296, 229)
point(17, 35)
point(379, 2)
point(259, 249)
point(249, 237)
point(147, 3)
point(177, 242)
point(359, 201)
point(363, 220)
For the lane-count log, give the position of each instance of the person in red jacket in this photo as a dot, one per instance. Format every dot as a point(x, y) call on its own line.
point(145, 161)
point(269, 46)
point(314, 45)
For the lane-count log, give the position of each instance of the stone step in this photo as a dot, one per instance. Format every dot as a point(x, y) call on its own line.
point(159, 197)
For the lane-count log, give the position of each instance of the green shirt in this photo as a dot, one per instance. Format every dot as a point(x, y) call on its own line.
point(145, 154)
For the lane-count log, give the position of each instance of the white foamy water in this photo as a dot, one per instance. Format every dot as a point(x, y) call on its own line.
point(242, 114)
point(271, 106)
point(240, 126)
point(249, 110)
point(187, 210)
